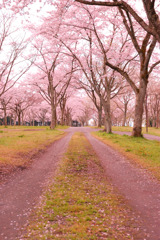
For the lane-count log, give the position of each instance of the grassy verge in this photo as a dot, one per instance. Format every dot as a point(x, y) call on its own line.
point(18, 145)
point(122, 129)
point(145, 153)
point(151, 130)
point(81, 204)
point(3, 128)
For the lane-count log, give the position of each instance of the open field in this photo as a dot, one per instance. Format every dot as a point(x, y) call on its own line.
point(19, 144)
point(81, 204)
point(145, 153)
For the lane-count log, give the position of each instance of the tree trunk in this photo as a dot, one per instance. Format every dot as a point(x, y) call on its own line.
point(146, 108)
point(19, 119)
point(62, 116)
point(138, 114)
point(22, 119)
point(68, 118)
point(15, 117)
point(5, 117)
point(107, 112)
point(62, 107)
point(100, 116)
point(10, 122)
point(53, 117)
point(108, 125)
point(125, 115)
point(153, 122)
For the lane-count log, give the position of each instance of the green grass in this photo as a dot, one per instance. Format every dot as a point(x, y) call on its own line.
point(19, 144)
point(23, 127)
point(81, 204)
point(151, 130)
point(2, 127)
point(122, 129)
point(142, 151)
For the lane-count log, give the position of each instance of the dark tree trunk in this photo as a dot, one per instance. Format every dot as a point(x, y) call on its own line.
point(140, 97)
point(100, 116)
point(107, 112)
point(62, 117)
point(19, 119)
point(62, 107)
point(53, 117)
point(5, 117)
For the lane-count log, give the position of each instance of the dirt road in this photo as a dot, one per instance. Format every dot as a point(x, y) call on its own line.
point(21, 192)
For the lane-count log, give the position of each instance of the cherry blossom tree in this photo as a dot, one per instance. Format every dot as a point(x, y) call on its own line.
point(21, 101)
point(122, 102)
point(64, 109)
point(150, 24)
point(38, 113)
point(97, 103)
point(92, 61)
point(106, 40)
point(56, 72)
point(144, 47)
point(68, 116)
point(13, 61)
point(42, 113)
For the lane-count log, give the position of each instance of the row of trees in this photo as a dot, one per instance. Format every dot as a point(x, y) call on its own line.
point(141, 43)
point(26, 107)
point(29, 108)
point(107, 50)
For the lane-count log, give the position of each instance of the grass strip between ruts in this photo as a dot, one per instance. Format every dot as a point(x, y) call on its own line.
point(81, 204)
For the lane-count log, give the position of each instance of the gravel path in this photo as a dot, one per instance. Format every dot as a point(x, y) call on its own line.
point(147, 136)
point(22, 191)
